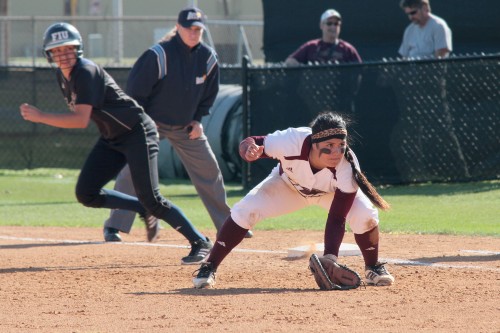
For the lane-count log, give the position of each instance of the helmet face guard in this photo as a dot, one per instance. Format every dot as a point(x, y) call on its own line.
point(61, 34)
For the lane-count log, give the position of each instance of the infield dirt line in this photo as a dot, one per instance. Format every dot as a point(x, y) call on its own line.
point(388, 260)
point(70, 241)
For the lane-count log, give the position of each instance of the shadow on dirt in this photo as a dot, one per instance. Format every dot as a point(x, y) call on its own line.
point(28, 246)
point(229, 291)
point(74, 268)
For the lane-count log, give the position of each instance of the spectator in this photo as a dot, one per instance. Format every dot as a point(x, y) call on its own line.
point(330, 48)
point(428, 36)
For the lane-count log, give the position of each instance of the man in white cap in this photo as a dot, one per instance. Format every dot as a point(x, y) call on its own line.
point(330, 48)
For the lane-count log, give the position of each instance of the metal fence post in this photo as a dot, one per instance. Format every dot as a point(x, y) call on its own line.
point(34, 40)
point(245, 172)
point(242, 39)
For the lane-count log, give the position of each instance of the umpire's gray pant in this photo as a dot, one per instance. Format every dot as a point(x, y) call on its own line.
point(202, 168)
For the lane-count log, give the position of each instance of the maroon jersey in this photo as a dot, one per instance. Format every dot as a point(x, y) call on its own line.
point(319, 51)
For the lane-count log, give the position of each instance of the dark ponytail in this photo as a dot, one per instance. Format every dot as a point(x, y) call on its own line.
point(365, 185)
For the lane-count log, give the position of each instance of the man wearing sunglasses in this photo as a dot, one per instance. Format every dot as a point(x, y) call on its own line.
point(427, 36)
point(329, 49)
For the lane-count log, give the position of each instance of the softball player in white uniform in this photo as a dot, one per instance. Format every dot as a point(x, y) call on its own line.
point(292, 185)
point(316, 167)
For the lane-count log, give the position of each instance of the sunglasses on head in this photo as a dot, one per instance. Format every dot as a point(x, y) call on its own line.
point(332, 23)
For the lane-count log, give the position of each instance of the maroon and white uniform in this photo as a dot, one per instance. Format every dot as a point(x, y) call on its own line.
point(293, 185)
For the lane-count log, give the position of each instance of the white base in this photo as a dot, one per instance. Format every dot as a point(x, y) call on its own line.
point(346, 249)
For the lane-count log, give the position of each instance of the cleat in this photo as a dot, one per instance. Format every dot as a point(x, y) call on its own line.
point(205, 278)
point(249, 234)
point(378, 275)
point(111, 235)
point(152, 226)
point(199, 252)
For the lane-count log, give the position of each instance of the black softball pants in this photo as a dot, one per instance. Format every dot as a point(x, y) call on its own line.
point(138, 148)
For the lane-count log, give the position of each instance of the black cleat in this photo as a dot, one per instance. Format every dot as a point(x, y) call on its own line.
point(199, 252)
point(378, 275)
point(205, 277)
point(111, 235)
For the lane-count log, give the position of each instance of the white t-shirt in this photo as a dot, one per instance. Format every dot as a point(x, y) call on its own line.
point(422, 42)
point(289, 148)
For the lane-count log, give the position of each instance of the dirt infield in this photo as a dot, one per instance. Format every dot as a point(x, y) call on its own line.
point(47, 284)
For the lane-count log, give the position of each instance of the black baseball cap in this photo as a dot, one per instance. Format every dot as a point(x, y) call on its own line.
point(191, 16)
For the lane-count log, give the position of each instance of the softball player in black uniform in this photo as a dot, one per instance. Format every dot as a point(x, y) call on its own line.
point(128, 136)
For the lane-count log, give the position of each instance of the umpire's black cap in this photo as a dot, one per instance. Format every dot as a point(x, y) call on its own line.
point(191, 16)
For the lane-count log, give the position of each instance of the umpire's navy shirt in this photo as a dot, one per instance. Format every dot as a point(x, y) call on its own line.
point(173, 83)
point(113, 111)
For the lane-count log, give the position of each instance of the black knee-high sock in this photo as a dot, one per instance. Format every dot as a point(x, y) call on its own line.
point(173, 216)
point(229, 236)
point(117, 200)
point(177, 220)
point(368, 244)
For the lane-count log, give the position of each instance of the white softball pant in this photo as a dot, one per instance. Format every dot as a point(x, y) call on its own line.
point(274, 197)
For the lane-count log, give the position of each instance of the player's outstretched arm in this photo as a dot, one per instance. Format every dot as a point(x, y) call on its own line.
point(79, 118)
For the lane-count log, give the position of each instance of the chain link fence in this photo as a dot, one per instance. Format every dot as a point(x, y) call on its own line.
point(449, 125)
point(414, 121)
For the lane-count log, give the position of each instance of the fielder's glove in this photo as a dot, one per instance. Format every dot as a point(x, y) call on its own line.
point(329, 275)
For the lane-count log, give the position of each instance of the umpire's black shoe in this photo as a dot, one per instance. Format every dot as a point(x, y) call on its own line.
point(112, 235)
point(249, 234)
point(152, 226)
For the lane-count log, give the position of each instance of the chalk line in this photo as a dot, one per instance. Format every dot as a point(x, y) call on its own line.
point(388, 260)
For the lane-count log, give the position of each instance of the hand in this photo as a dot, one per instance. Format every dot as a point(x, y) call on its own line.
point(30, 113)
point(249, 151)
point(253, 152)
point(195, 129)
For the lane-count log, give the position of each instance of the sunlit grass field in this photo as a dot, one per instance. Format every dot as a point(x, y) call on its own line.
point(45, 197)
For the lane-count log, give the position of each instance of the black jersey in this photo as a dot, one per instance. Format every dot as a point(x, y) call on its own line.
point(113, 111)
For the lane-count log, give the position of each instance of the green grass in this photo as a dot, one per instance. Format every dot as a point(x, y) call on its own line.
point(45, 197)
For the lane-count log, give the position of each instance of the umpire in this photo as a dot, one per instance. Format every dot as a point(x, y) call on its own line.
point(176, 81)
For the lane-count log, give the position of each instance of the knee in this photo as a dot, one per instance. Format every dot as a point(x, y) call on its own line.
point(245, 218)
point(362, 226)
point(363, 216)
point(93, 200)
